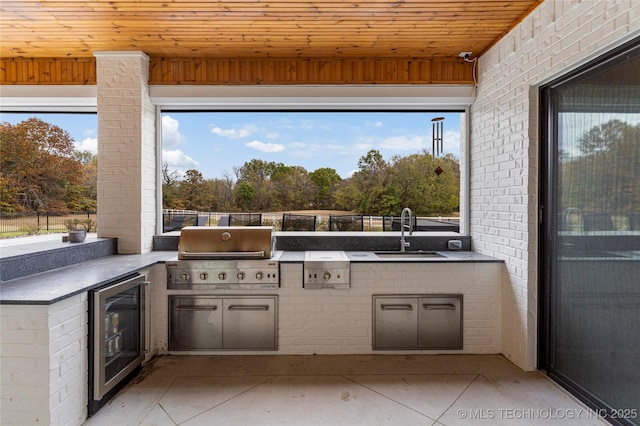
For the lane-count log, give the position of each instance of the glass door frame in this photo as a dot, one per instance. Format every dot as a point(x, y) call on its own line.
point(548, 223)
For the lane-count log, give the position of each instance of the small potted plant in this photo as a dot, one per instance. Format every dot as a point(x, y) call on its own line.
point(78, 229)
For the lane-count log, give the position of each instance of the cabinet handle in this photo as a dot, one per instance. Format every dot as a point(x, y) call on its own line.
point(248, 308)
point(405, 307)
point(197, 308)
point(439, 306)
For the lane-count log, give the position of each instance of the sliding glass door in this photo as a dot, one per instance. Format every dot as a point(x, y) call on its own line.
point(590, 174)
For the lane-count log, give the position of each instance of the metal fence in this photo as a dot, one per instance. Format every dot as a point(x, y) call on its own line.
point(34, 222)
point(12, 224)
point(176, 219)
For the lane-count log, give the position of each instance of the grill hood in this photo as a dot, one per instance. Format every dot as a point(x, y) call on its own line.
point(226, 242)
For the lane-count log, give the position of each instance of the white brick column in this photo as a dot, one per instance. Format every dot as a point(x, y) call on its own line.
point(44, 363)
point(126, 151)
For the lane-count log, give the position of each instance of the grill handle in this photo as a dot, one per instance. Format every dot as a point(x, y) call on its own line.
point(222, 255)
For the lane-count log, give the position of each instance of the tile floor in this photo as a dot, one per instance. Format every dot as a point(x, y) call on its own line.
point(341, 390)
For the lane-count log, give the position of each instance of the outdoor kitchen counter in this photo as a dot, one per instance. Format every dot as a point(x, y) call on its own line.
point(55, 285)
point(52, 286)
point(370, 256)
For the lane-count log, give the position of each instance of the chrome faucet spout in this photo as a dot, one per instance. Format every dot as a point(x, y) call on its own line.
point(404, 244)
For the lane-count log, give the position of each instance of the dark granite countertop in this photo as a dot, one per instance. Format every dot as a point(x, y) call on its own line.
point(23, 256)
point(64, 279)
point(371, 257)
point(343, 241)
point(52, 286)
point(442, 257)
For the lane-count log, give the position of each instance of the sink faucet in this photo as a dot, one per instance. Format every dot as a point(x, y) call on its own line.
point(404, 244)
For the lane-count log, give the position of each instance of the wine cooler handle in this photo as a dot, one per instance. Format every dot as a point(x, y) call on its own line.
point(147, 317)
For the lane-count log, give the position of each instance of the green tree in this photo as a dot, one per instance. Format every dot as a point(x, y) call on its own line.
point(604, 178)
point(325, 182)
point(258, 173)
point(196, 193)
point(385, 188)
point(291, 186)
point(245, 194)
point(222, 190)
point(171, 194)
point(40, 168)
point(369, 183)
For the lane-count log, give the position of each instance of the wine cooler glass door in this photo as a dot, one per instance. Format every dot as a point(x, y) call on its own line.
point(119, 333)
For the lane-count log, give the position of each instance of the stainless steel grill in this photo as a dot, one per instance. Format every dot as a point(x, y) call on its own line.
point(241, 258)
point(226, 242)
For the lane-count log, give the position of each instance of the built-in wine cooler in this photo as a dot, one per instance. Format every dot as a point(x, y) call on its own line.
point(116, 337)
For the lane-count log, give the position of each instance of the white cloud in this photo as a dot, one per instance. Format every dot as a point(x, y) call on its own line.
point(272, 135)
point(265, 147)
point(171, 135)
point(88, 144)
point(242, 132)
point(362, 146)
point(177, 159)
point(374, 123)
point(334, 147)
point(403, 143)
point(451, 141)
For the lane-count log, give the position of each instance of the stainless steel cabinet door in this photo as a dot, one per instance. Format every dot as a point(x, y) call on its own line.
point(195, 323)
point(440, 322)
point(250, 323)
point(395, 323)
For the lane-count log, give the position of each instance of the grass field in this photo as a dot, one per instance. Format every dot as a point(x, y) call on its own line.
point(16, 225)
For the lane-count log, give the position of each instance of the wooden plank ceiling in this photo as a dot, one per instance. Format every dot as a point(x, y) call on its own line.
point(250, 30)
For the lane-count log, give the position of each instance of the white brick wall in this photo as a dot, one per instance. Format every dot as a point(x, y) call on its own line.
point(24, 365)
point(554, 38)
point(340, 321)
point(126, 151)
point(43, 363)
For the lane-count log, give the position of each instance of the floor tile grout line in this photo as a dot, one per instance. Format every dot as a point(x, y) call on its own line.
point(173, 382)
point(333, 374)
point(231, 397)
point(165, 412)
point(387, 397)
point(458, 397)
point(157, 401)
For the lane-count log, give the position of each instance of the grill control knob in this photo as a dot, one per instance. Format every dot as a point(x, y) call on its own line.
point(326, 275)
point(240, 275)
point(184, 276)
point(259, 275)
point(204, 276)
point(222, 276)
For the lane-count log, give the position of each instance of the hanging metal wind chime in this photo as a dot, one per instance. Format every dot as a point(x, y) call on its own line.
point(437, 143)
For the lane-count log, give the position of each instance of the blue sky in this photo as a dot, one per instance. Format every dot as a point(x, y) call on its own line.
point(216, 142)
point(83, 128)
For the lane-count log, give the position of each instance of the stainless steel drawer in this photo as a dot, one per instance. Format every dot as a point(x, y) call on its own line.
point(440, 322)
point(417, 321)
point(249, 323)
point(395, 323)
point(195, 323)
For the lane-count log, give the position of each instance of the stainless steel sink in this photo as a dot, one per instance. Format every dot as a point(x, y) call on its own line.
point(406, 254)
